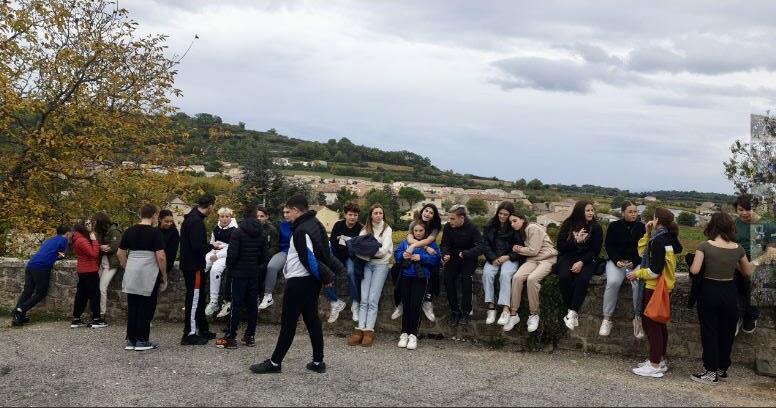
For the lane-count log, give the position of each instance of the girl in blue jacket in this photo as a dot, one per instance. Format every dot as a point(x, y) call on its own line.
point(414, 278)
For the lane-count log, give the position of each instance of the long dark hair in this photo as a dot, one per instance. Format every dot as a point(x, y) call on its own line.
point(666, 219)
point(102, 223)
point(80, 227)
point(722, 225)
point(576, 221)
point(522, 216)
point(436, 220)
point(505, 205)
point(164, 214)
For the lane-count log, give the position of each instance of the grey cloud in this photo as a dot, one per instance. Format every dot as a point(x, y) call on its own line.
point(544, 74)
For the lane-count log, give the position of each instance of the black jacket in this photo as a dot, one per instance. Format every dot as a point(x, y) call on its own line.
point(223, 234)
point(467, 239)
point(587, 251)
point(498, 242)
point(247, 246)
point(622, 241)
point(194, 242)
point(324, 264)
point(341, 228)
point(171, 242)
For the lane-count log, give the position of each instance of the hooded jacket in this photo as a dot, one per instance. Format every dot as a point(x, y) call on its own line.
point(661, 251)
point(247, 246)
point(194, 244)
point(221, 234)
point(312, 247)
point(111, 238)
point(466, 238)
point(87, 254)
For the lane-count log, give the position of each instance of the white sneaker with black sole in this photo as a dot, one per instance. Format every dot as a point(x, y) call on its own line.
point(77, 324)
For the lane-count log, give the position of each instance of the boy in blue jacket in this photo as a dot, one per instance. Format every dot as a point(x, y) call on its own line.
point(414, 278)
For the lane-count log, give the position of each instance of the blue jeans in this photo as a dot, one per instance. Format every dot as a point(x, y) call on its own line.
point(371, 290)
point(505, 272)
point(354, 286)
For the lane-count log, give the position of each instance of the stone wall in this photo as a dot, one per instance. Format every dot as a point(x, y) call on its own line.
point(684, 335)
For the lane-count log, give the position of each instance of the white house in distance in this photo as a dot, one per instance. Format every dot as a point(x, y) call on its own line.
point(557, 218)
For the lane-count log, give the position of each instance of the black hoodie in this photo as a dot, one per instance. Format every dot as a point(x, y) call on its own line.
point(246, 249)
point(194, 243)
point(466, 238)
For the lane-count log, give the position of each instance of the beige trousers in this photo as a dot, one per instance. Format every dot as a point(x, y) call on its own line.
point(533, 272)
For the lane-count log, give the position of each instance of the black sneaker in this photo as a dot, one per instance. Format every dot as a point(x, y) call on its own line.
point(249, 341)
point(706, 377)
point(130, 345)
point(99, 324)
point(193, 340)
point(18, 318)
point(318, 368)
point(454, 319)
point(722, 375)
point(207, 335)
point(464, 320)
point(25, 319)
point(265, 368)
point(77, 324)
point(749, 325)
point(145, 346)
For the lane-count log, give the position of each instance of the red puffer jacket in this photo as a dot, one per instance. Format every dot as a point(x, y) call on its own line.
point(87, 254)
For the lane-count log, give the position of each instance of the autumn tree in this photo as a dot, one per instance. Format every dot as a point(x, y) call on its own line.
point(752, 165)
point(80, 92)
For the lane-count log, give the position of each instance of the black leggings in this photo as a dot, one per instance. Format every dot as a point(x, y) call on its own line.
point(460, 270)
point(36, 284)
point(413, 290)
point(140, 312)
point(718, 316)
point(88, 290)
point(300, 298)
point(573, 286)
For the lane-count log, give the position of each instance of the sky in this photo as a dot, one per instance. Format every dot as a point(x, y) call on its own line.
point(637, 95)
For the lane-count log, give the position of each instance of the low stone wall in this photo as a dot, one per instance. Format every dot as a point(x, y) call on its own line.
point(684, 334)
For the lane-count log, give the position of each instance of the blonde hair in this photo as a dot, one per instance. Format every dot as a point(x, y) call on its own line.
point(226, 211)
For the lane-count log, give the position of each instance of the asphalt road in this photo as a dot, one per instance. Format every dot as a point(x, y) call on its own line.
point(51, 364)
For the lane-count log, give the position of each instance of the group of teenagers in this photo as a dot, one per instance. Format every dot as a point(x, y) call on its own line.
point(240, 263)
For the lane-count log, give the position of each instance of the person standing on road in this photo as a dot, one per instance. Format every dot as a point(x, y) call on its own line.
point(461, 242)
point(194, 246)
point(171, 237)
point(720, 257)
point(622, 247)
point(142, 255)
point(87, 252)
point(245, 256)
point(37, 274)
point(309, 266)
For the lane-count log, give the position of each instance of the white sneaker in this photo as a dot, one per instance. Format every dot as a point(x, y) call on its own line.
point(503, 319)
point(533, 323)
point(225, 310)
point(336, 308)
point(648, 371)
point(266, 302)
point(638, 329)
point(571, 320)
point(403, 340)
point(511, 323)
point(211, 308)
point(428, 310)
point(412, 342)
point(354, 309)
point(663, 365)
point(606, 328)
point(397, 312)
point(491, 316)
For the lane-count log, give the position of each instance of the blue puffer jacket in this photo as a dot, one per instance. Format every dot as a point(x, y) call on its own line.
point(427, 261)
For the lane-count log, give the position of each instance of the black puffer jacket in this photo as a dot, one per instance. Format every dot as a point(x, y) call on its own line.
point(193, 239)
point(498, 242)
point(322, 265)
point(246, 249)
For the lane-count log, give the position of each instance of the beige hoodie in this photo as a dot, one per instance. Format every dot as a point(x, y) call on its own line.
point(538, 245)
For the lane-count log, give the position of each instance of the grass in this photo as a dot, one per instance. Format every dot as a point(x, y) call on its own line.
point(691, 237)
point(391, 167)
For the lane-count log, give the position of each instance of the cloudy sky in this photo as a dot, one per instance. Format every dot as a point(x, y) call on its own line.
point(641, 95)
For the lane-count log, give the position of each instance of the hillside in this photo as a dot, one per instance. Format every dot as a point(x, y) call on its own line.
point(211, 140)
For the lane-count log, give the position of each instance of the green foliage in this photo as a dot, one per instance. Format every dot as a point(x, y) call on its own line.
point(214, 166)
point(551, 327)
point(411, 195)
point(387, 199)
point(617, 202)
point(685, 218)
point(477, 206)
point(344, 196)
point(535, 184)
point(521, 184)
point(480, 222)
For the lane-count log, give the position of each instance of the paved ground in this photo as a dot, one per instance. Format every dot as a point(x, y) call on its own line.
point(50, 364)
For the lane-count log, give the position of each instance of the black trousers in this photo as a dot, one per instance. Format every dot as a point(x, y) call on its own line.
point(744, 289)
point(36, 284)
point(196, 322)
point(245, 293)
point(140, 312)
point(413, 291)
point(300, 298)
point(459, 270)
point(433, 287)
point(573, 286)
point(88, 290)
point(718, 316)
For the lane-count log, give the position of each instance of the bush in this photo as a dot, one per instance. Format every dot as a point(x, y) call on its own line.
point(551, 328)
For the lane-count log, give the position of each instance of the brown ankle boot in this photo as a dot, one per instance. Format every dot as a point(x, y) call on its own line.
point(356, 338)
point(369, 338)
